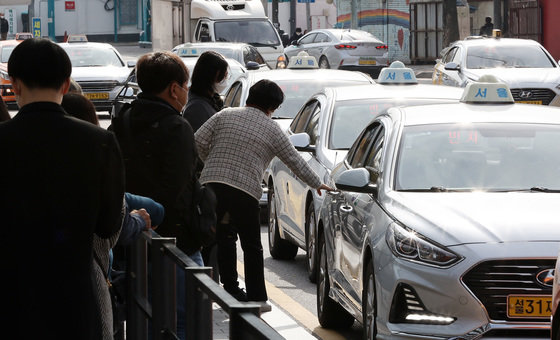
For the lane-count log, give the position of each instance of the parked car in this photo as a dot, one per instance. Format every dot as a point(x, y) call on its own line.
point(99, 69)
point(330, 121)
point(531, 73)
point(444, 225)
point(6, 48)
point(343, 49)
point(247, 55)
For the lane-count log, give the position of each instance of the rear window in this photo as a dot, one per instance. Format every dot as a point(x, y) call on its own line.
point(357, 35)
point(5, 53)
point(253, 32)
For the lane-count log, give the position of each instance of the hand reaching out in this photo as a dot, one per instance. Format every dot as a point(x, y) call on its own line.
point(324, 187)
point(145, 216)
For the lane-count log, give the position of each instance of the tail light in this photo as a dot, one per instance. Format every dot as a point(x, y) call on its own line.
point(344, 47)
point(382, 47)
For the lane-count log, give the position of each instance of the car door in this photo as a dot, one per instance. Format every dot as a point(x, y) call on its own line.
point(302, 44)
point(355, 210)
point(316, 48)
point(454, 77)
point(289, 188)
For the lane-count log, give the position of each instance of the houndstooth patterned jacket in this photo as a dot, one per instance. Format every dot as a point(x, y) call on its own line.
point(237, 144)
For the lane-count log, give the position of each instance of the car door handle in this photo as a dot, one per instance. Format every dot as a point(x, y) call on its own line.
point(345, 209)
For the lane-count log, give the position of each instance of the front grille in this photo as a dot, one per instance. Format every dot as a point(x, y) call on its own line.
point(233, 7)
point(545, 95)
point(98, 86)
point(492, 281)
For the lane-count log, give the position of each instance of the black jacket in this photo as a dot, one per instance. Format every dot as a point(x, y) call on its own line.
point(61, 180)
point(4, 25)
point(199, 109)
point(160, 163)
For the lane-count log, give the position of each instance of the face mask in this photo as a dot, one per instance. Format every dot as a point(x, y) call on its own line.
point(221, 86)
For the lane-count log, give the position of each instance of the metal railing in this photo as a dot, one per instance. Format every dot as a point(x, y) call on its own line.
point(152, 263)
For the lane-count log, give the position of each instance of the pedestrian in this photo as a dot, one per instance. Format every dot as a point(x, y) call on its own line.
point(295, 37)
point(158, 145)
point(487, 28)
point(4, 27)
point(4, 114)
point(62, 180)
point(236, 145)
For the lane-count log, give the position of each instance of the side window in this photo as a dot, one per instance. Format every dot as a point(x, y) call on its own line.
point(204, 33)
point(373, 160)
point(300, 121)
point(233, 96)
point(321, 37)
point(246, 55)
point(457, 56)
point(312, 128)
point(449, 55)
point(362, 146)
point(308, 39)
point(258, 57)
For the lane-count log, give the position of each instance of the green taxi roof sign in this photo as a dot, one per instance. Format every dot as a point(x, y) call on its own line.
point(303, 60)
point(487, 90)
point(396, 73)
point(188, 51)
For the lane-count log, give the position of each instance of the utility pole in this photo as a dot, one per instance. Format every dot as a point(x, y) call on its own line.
point(50, 19)
point(498, 14)
point(292, 17)
point(354, 9)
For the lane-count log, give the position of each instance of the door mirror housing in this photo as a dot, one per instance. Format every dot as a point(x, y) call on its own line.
point(355, 180)
point(131, 63)
point(452, 66)
point(252, 65)
point(301, 142)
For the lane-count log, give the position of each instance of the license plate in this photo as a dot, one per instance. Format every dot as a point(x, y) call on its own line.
point(96, 95)
point(367, 62)
point(538, 102)
point(529, 306)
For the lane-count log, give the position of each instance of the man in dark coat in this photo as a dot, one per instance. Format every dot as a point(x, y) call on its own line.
point(295, 37)
point(62, 180)
point(487, 28)
point(4, 27)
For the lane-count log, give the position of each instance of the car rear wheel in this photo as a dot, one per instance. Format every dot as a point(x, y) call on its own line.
point(279, 248)
point(310, 241)
point(329, 313)
point(369, 304)
point(324, 62)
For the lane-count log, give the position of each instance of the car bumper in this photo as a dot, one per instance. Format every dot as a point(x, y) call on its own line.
point(446, 293)
point(102, 94)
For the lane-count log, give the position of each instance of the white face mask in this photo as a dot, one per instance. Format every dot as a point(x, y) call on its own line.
point(221, 86)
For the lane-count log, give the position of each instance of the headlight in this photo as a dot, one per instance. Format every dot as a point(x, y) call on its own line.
point(409, 245)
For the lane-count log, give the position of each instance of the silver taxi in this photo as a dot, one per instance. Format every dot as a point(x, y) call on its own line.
point(445, 225)
point(330, 121)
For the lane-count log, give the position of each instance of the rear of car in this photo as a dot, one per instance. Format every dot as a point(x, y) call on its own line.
point(6, 48)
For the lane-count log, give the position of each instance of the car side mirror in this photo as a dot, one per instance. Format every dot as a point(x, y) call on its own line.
point(355, 180)
point(252, 65)
point(452, 66)
point(301, 141)
point(131, 63)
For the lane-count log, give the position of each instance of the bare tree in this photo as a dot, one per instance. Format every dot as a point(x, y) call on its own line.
point(450, 22)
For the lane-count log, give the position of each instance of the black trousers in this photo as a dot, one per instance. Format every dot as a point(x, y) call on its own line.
point(243, 210)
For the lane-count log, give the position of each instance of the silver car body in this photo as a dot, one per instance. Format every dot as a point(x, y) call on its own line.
point(99, 69)
point(243, 53)
point(333, 118)
point(235, 70)
point(344, 49)
point(501, 242)
point(531, 73)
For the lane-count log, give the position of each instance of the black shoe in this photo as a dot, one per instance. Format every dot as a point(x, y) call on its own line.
point(239, 294)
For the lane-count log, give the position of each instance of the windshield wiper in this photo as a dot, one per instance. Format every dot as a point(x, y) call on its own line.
point(436, 189)
point(281, 117)
point(258, 44)
point(542, 189)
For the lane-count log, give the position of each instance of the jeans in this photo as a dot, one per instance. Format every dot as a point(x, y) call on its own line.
point(181, 313)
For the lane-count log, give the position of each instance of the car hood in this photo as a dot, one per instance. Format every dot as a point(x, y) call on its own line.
point(101, 73)
point(479, 217)
point(521, 77)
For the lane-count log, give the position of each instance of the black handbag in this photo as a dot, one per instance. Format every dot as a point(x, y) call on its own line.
point(203, 213)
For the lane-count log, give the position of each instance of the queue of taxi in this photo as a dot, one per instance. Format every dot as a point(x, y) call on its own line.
point(444, 222)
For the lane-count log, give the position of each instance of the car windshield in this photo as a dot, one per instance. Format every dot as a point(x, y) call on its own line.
point(492, 56)
point(481, 156)
point(85, 56)
point(350, 117)
point(297, 92)
point(6, 52)
point(256, 33)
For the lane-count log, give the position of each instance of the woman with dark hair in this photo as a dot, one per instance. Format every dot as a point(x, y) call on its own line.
point(4, 114)
point(209, 78)
point(236, 145)
point(79, 106)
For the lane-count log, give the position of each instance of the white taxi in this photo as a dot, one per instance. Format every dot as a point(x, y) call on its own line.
point(330, 121)
point(445, 225)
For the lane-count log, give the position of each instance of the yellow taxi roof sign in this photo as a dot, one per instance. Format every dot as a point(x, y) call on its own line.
point(303, 60)
point(487, 90)
point(187, 50)
point(397, 73)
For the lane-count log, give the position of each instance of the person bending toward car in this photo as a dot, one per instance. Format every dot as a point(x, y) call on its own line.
point(236, 145)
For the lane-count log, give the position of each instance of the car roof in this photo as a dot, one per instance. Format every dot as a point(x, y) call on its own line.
point(309, 74)
point(11, 42)
point(427, 91)
point(479, 113)
point(88, 44)
point(485, 41)
point(209, 45)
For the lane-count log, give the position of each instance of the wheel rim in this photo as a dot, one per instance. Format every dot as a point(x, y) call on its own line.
point(311, 253)
point(272, 219)
point(322, 284)
point(370, 308)
point(324, 63)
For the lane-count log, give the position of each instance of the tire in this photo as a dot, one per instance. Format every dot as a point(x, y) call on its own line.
point(329, 313)
point(324, 62)
point(279, 248)
point(311, 242)
point(369, 304)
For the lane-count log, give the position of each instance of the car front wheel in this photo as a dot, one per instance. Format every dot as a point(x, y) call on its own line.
point(324, 62)
point(369, 304)
point(310, 240)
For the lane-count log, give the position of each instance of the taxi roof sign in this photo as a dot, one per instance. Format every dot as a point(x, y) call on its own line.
point(397, 73)
point(487, 90)
point(303, 60)
point(77, 38)
point(187, 50)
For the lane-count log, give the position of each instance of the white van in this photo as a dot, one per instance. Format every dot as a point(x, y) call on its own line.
point(236, 21)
